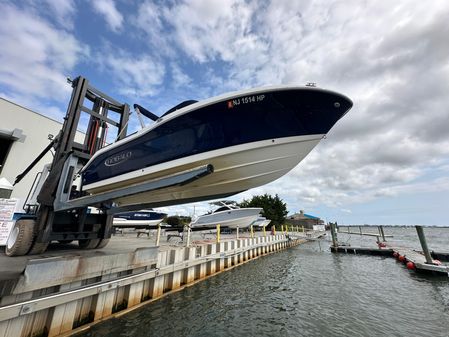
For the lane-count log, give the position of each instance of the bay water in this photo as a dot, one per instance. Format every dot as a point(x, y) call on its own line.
point(304, 291)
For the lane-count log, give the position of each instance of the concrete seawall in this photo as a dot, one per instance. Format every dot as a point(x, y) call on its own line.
point(60, 295)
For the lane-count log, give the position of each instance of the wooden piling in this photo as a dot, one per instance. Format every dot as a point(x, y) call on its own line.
point(189, 231)
point(422, 240)
point(333, 234)
point(158, 235)
point(382, 233)
point(218, 233)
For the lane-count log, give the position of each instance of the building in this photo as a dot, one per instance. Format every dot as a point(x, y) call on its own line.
point(306, 220)
point(23, 135)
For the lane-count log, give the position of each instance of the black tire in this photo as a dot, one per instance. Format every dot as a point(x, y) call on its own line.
point(88, 243)
point(103, 243)
point(38, 248)
point(21, 238)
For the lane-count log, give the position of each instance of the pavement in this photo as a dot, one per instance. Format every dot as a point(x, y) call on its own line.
point(13, 267)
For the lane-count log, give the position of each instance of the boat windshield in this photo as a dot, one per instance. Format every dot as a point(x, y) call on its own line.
point(223, 208)
point(179, 106)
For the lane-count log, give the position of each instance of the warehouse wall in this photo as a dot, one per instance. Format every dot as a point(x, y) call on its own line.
point(29, 131)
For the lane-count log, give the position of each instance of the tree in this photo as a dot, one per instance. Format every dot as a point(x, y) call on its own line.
point(273, 207)
point(177, 221)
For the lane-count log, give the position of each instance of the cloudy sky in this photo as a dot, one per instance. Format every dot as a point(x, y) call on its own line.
point(385, 162)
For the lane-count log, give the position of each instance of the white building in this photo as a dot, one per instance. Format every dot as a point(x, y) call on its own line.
point(23, 135)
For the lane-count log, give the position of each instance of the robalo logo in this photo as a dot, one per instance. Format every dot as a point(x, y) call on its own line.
point(118, 158)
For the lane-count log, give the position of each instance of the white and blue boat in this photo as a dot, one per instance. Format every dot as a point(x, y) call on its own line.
point(261, 222)
point(227, 215)
point(250, 138)
point(140, 219)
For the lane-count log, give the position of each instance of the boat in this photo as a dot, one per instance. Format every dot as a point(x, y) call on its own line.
point(261, 222)
point(140, 219)
point(228, 215)
point(250, 138)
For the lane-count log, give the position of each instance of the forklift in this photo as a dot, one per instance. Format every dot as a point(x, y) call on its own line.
point(56, 208)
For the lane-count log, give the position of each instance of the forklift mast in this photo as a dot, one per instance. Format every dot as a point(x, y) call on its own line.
point(95, 137)
point(43, 223)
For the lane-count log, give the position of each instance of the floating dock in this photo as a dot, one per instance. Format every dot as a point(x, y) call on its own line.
point(420, 261)
point(64, 294)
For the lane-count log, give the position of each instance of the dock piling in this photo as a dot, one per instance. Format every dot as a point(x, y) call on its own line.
point(334, 234)
point(158, 235)
point(189, 230)
point(382, 233)
point(218, 233)
point(422, 240)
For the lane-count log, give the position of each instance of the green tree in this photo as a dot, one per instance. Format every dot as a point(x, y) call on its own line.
point(177, 221)
point(273, 207)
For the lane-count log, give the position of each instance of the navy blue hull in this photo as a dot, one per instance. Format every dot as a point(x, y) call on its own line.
point(246, 119)
point(141, 215)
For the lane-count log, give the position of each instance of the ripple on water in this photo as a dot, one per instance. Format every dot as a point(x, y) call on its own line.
point(303, 291)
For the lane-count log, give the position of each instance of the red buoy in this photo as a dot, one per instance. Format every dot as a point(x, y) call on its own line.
point(437, 262)
point(401, 258)
point(410, 265)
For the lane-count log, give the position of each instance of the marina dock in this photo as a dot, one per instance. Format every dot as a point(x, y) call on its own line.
point(60, 293)
point(420, 261)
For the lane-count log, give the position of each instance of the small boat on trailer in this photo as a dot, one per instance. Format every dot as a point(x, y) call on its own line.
point(229, 215)
point(146, 219)
point(250, 138)
point(261, 222)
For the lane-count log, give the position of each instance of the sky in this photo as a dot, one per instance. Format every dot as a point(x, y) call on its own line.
point(385, 162)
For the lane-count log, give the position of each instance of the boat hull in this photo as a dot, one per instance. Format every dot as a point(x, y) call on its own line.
point(261, 222)
point(235, 170)
point(138, 219)
point(250, 138)
point(241, 218)
point(124, 223)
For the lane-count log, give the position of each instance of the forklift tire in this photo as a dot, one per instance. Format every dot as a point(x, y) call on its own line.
point(103, 243)
point(38, 248)
point(88, 243)
point(21, 238)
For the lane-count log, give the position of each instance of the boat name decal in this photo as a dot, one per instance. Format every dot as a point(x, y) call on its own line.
point(245, 100)
point(118, 158)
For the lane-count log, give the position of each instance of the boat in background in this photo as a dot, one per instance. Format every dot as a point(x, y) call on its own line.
point(261, 222)
point(250, 138)
point(228, 215)
point(141, 219)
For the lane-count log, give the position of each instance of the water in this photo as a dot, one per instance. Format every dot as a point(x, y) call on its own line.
point(303, 291)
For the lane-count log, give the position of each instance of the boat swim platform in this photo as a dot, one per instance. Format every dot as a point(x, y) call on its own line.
point(63, 292)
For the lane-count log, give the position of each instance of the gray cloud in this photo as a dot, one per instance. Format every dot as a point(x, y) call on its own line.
point(391, 59)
